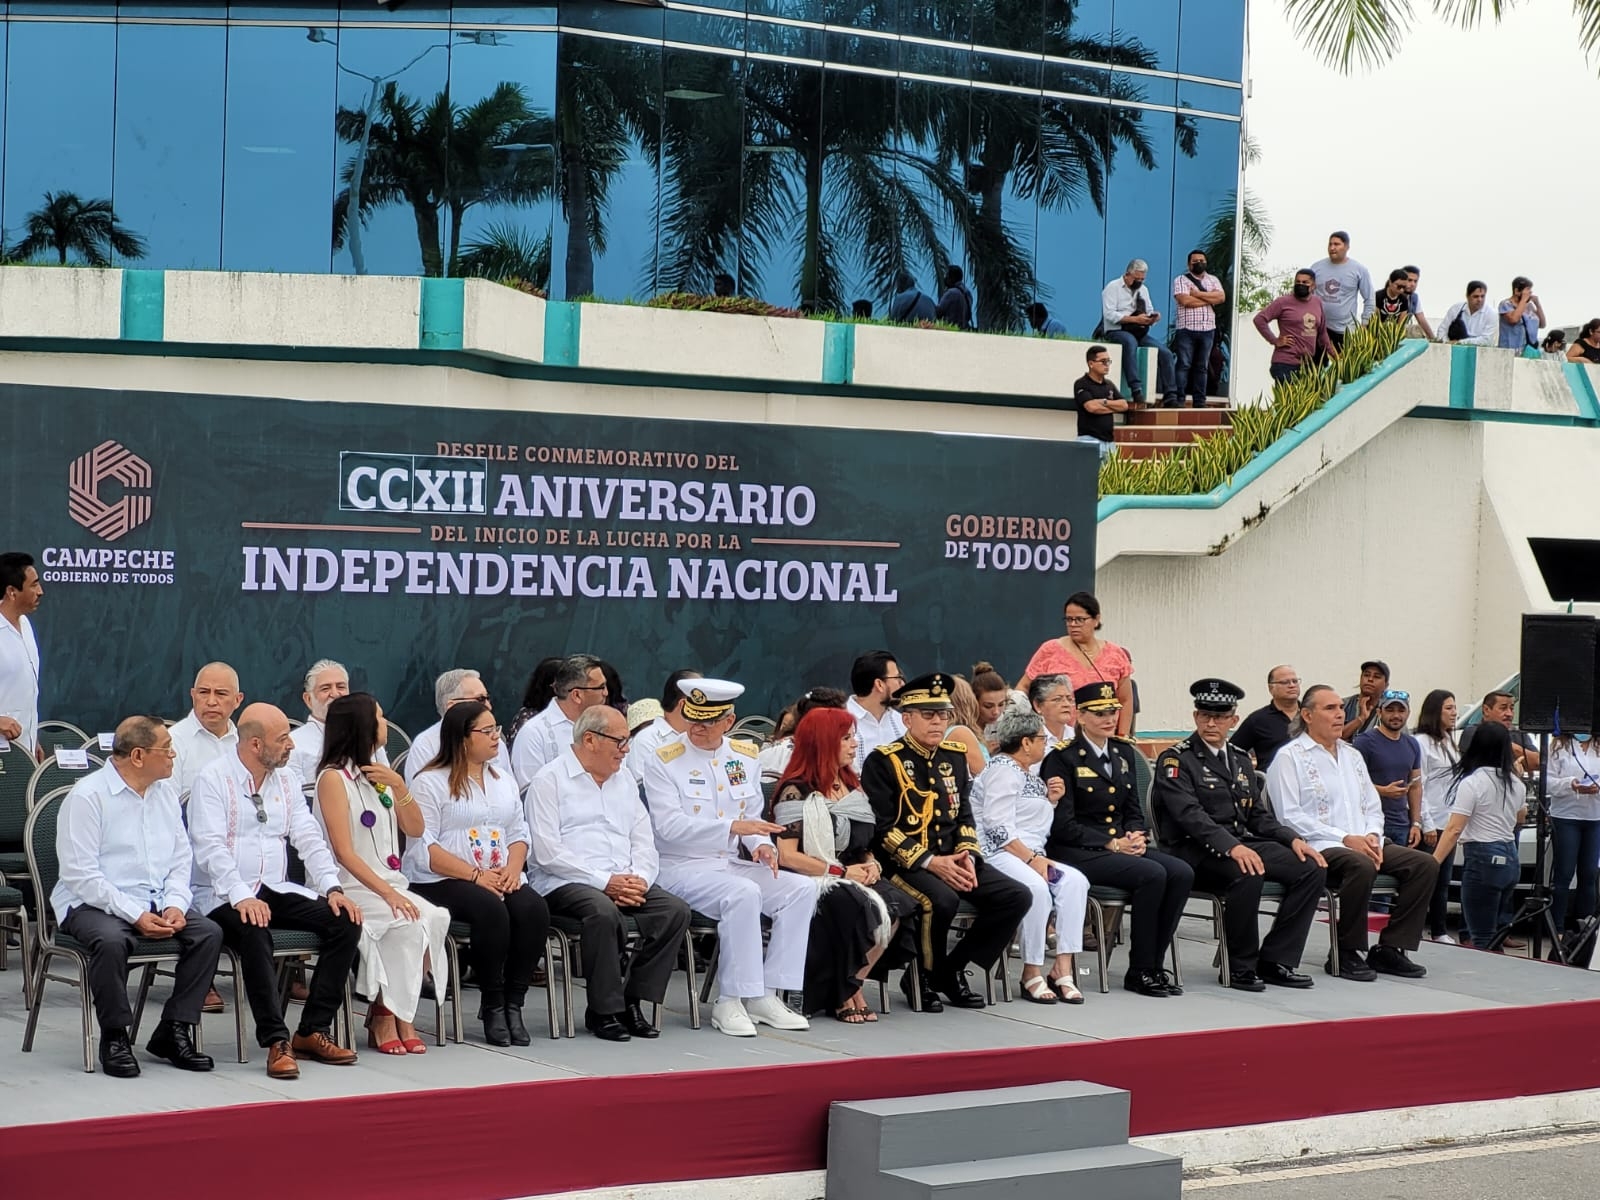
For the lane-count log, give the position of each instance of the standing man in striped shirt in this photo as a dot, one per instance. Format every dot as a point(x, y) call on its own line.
point(1197, 295)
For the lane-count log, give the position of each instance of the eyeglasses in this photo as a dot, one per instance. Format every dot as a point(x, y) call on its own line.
point(622, 742)
point(170, 750)
point(1078, 620)
point(261, 807)
point(586, 688)
point(489, 731)
point(894, 678)
point(1284, 683)
point(483, 700)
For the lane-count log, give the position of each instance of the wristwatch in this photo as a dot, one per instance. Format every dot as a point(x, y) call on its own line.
point(336, 888)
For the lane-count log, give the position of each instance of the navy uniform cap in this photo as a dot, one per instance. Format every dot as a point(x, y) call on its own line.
point(1216, 695)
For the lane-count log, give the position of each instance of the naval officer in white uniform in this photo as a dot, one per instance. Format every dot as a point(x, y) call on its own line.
point(704, 795)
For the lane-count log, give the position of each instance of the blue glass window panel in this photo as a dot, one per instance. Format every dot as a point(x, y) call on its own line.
point(1078, 30)
point(882, 15)
point(1139, 203)
point(312, 12)
point(859, 50)
point(212, 12)
point(941, 22)
point(1002, 182)
point(790, 41)
point(1006, 69)
point(1204, 189)
point(72, 151)
point(702, 138)
point(506, 189)
point(862, 189)
point(168, 166)
point(605, 238)
point(1152, 27)
point(1076, 80)
point(792, 10)
point(636, 20)
point(63, 8)
point(782, 169)
point(934, 141)
point(941, 62)
point(1151, 89)
point(413, 10)
point(1211, 39)
point(1070, 258)
point(704, 29)
point(505, 14)
point(280, 151)
point(411, 69)
point(1009, 24)
point(1209, 97)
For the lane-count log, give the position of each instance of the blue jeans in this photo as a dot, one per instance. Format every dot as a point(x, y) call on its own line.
point(1130, 361)
point(1486, 885)
point(1574, 845)
point(1194, 364)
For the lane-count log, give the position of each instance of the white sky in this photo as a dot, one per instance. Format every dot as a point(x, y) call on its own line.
point(1429, 161)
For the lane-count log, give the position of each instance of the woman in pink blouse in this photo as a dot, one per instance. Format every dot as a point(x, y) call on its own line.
point(1084, 658)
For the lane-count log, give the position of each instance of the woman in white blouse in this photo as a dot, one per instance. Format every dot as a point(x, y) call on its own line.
point(1574, 788)
point(1436, 735)
point(470, 860)
point(1013, 809)
point(1486, 803)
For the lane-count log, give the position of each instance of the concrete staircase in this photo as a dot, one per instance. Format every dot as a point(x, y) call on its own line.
point(1152, 432)
point(1052, 1139)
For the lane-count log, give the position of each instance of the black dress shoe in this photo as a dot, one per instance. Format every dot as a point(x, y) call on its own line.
point(929, 999)
point(608, 1027)
point(116, 1055)
point(173, 1042)
point(638, 1024)
point(1281, 976)
point(1391, 960)
point(1146, 983)
point(1245, 981)
point(1170, 982)
point(495, 1030)
point(514, 1025)
point(1352, 966)
point(957, 991)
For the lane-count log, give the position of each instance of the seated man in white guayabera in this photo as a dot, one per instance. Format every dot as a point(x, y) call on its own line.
point(704, 795)
point(460, 685)
point(207, 733)
point(325, 682)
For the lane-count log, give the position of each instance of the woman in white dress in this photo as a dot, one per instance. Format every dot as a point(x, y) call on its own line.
point(1013, 809)
point(364, 806)
point(1436, 734)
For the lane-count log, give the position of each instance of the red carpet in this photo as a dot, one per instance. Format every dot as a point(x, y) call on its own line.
point(494, 1142)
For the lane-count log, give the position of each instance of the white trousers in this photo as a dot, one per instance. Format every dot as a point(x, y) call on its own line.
point(736, 895)
point(1067, 898)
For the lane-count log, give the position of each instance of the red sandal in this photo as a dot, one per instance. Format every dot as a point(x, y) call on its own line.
point(374, 1011)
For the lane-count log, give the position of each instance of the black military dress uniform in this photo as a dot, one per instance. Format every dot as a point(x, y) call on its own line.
point(919, 797)
point(1101, 806)
point(1206, 803)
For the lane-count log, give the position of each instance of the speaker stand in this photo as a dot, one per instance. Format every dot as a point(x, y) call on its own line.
point(1537, 907)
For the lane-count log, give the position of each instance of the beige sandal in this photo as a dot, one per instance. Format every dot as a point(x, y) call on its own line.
point(1037, 989)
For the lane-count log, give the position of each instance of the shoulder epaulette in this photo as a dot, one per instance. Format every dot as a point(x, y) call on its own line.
point(889, 748)
point(958, 747)
point(670, 751)
point(748, 749)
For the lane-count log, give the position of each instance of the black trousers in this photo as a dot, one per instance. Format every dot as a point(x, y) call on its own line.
point(1001, 902)
point(1286, 940)
point(1351, 874)
point(1160, 885)
point(111, 940)
point(508, 935)
point(340, 939)
point(661, 919)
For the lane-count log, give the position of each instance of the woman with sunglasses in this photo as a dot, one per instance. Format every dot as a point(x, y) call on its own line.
point(365, 806)
point(470, 859)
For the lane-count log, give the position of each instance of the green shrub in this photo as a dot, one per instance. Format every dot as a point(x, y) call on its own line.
point(1209, 463)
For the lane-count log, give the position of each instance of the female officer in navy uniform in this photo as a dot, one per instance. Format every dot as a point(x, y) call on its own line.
point(1100, 828)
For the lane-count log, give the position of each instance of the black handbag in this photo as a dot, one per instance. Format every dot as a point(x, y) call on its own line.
point(1458, 327)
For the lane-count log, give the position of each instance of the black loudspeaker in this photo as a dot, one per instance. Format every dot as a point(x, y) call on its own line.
point(1558, 673)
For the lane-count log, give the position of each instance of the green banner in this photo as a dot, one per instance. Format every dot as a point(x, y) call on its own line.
point(174, 529)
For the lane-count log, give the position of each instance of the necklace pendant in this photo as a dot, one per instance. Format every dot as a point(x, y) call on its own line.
point(386, 802)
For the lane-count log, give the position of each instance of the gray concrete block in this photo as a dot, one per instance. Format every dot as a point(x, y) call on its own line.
point(1094, 1173)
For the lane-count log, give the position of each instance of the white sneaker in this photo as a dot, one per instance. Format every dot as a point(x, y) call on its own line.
point(1444, 939)
point(769, 1010)
point(729, 1017)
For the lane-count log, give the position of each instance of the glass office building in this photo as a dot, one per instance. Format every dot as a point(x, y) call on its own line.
point(807, 148)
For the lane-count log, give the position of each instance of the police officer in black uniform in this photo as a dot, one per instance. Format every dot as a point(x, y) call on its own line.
point(1100, 828)
point(1209, 813)
point(928, 845)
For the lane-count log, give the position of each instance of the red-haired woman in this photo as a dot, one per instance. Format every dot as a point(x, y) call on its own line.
point(828, 834)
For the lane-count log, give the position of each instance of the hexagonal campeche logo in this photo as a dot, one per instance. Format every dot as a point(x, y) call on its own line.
point(109, 462)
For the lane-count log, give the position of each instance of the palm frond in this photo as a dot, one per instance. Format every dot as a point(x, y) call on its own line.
point(1349, 33)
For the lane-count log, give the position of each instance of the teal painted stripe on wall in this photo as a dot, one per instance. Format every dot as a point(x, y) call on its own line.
point(443, 315)
point(838, 353)
point(1582, 384)
point(144, 305)
point(1463, 375)
point(562, 325)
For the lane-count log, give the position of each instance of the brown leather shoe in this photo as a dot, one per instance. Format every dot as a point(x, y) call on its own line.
point(298, 992)
point(213, 1002)
point(280, 1062)
point(322, 1048)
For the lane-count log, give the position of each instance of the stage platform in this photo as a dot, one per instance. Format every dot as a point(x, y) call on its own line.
point(472, 1122)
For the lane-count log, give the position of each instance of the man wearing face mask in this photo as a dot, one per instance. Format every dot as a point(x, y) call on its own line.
point(1302, 327)
point(1197, 295)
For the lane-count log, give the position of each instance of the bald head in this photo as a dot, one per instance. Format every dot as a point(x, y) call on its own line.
point(215, 696)
point(264, 743)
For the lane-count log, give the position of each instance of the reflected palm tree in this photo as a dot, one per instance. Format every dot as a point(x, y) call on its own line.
point(68, 224)
point(436, 157)
point(507, 251)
